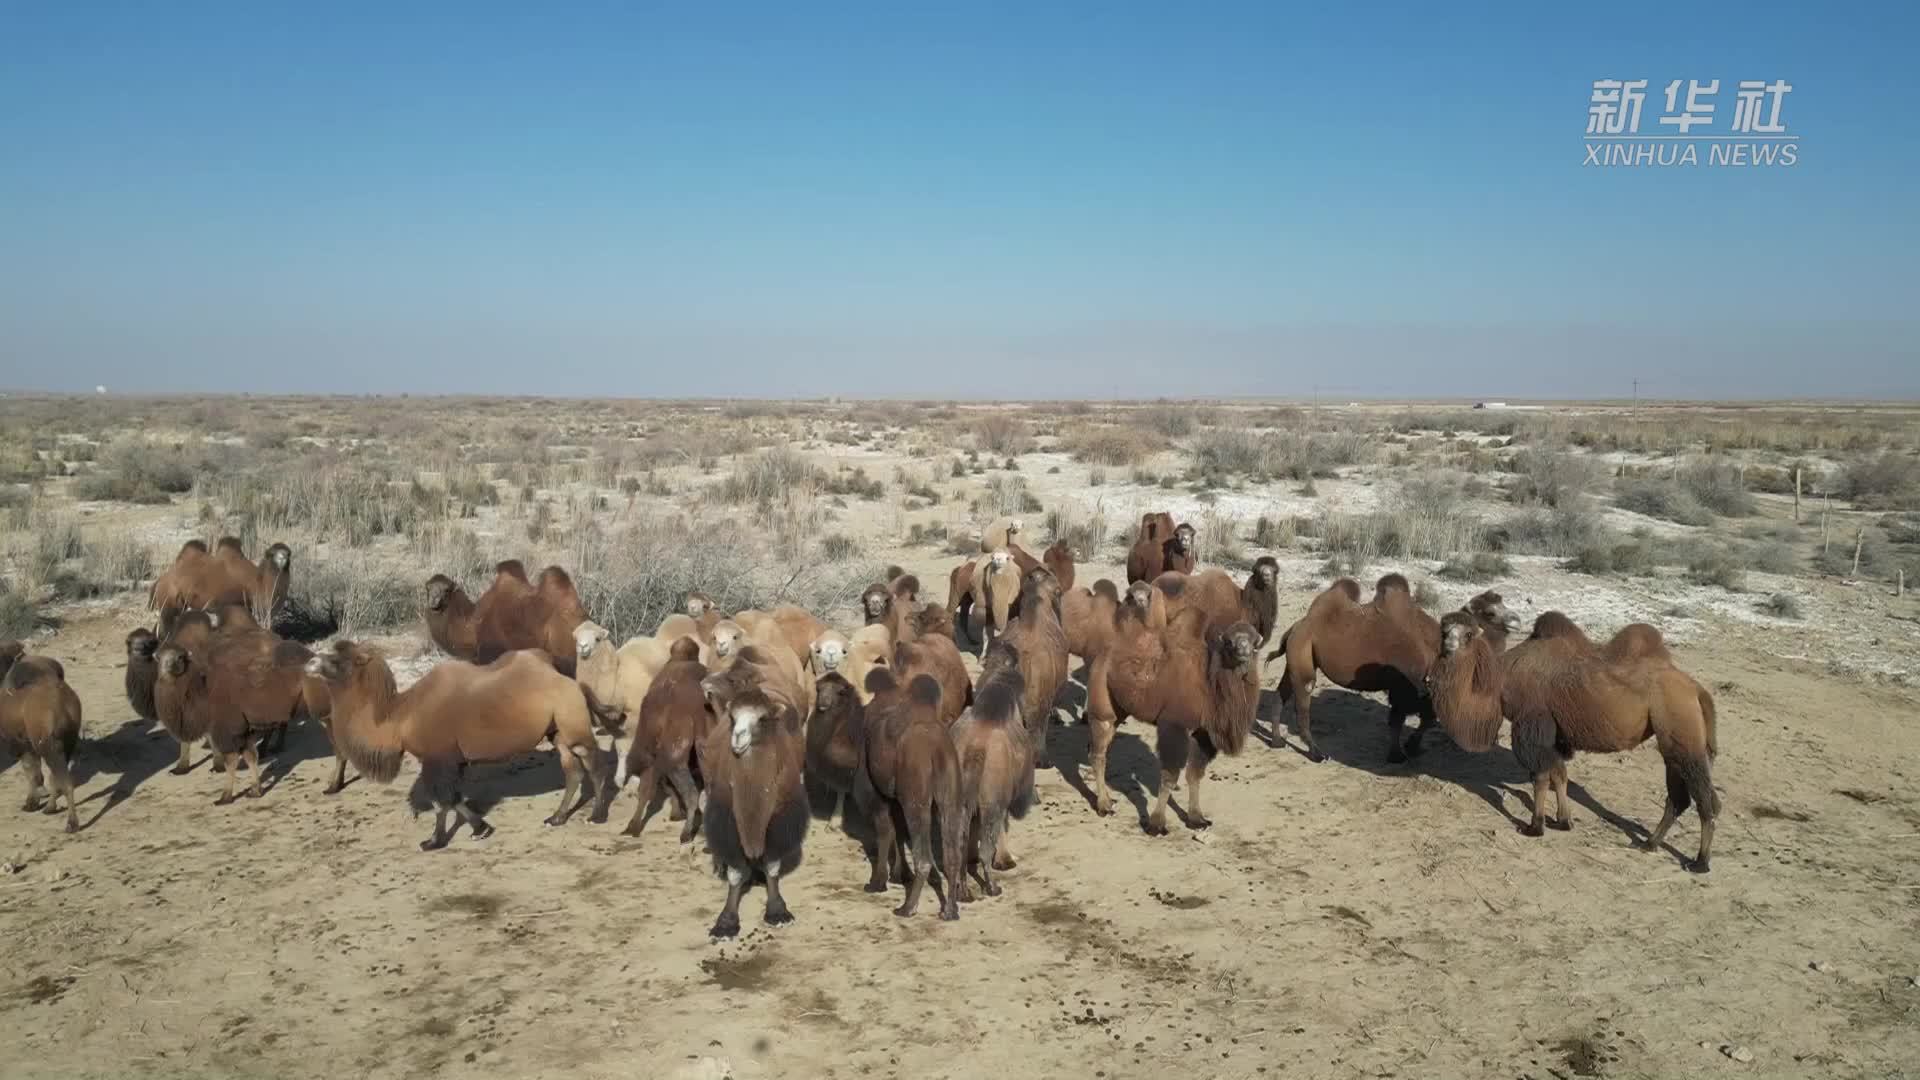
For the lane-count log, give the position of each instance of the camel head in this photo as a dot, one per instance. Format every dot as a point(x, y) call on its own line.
point(1266, 570)
point(1240, 645)
point(1457, 631)
point(999, 559)
point(172, 662)
point(1013, 528)
point(587, 636)
point(698, 604)
point(874, 602)
point(439, 588)
point(278, 556)
point(1183, 538)
point(1491, 610)
point(829, 650)
point(337, 665)
point(728, 637)
point(1140, 595)
point(141, 643)
point(10, 654)
point(751, 714)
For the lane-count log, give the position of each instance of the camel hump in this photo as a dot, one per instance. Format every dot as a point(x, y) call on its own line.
point(230, 543)
point(894, 572)
point(1555, 624)
point(1108, 589)
point(28, 670)
point(555, 579)
point(880, 680)
point(288, 654)
point(197, 547)
point(903, 583)
point(924, 690)
point(1347, 586)
point(512, 568)
point(685, 648)
point(1173, 584)
point(1392, 583)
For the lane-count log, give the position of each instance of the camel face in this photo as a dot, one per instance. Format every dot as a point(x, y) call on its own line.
point(727, 638)
point(697, 605)
point(829, 652)
point(438, 590)
point(876, 605)
point(1140, 595)
point(746, 720)
point(1000, 559)
point(279, 555)
point(1183, 538)
point(1268, 572)
point(588, 635)
point(1244, 643)
point(1013, 527)
point(1456, 637)
point(173, 662)
point(142, 644)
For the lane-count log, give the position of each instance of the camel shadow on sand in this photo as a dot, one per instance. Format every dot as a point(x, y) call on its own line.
point(1351, 730)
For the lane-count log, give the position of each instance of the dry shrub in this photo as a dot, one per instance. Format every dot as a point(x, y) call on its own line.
point(1001, 434)
point(1662, 499)
point(1552, 478)
point(766, 476)
point(1781, 606)
point(1480, 566)
point(1887, 479)
point(1110, 445)
point(1718, 486)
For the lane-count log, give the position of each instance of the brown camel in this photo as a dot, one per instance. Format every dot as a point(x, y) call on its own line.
point(459, 713)
point(756, 807)
point(1037, 644)
point(512, 614)
point(1589, 700)
point(670, 722)
point(1199, 689)
point(909, 774)
point(996, 766)
point(40, 724)
point(202, 579)
point(238, 687)
point(1160, 547)
point(1384, 644)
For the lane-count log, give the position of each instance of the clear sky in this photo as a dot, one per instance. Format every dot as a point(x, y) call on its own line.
point(985, 200)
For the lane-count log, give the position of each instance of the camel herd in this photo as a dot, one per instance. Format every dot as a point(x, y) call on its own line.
point(754, 724)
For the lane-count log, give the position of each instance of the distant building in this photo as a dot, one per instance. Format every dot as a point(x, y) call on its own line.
point(1489, 404)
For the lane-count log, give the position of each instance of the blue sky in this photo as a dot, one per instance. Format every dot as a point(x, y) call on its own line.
point(1018, 200)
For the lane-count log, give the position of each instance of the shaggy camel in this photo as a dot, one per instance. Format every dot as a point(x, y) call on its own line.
point(40, 724)
point(512, 614)
point(459, 713)
point(790, 624)
point(1385, 645)
point(1588, 700)
point(768, 654)
point(1037, 644)
point(1058, 559)
point(1200, 690)
point(142, 643)
point(756, 808)
point(905, 587)
point(704, 613)
point(239, 687)
point(669, 723)
point(1000, 535)
point(1160, 547)
point(933, 621)
point(1087, 616)
point(616, 678)
point(996, 766)
point(996, 589)
point(1225, 603)
point(909, 773)
point(854, 655)
point(832, 754)
point(883, 605)
point(939, 659)
point(199, 579)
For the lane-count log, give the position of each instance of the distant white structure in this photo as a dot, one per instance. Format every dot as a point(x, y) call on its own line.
point(1490, 405)
point(99, 389)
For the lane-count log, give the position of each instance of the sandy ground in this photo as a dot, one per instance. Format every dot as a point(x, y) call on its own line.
point(1345, 919)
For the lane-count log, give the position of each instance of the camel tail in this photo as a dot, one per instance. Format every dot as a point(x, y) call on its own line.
point(1707, 712)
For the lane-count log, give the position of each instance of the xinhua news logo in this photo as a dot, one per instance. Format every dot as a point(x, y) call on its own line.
point(1756, 136)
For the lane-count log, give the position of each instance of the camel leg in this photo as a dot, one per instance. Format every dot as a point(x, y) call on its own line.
point(1707, 805)
point(777, 913)
point(36, 783)
point(219, 763)
point(683, 790)
point(1202, 756)
point(728, 924)
point(1541, 782)
point(62, 786)
point(477, 826)
point(1171, 746)
point(1397, 747)
point(443, 791)
point(643, 794)
point(1101, 722)
point(917, 823)
point(1300, 678)
point(993, 826)
point(251, 755)
point(339, 781)
point(570, 768)
point(884, 843)
point(185, 764)
point(1564, 822)
point(230, 764)
point(1423, 705)
point(1002, 854)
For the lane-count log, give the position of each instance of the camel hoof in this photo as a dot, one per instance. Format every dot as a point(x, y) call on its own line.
point(1561, 825)
point(180, 770)
point(875, 886)
point(949, 912)
point(1003, 863)
point(726, 926)
point(598, 817)
point(964, 894)
point(1531, 829)
point(333, 789)
point(223, 800)
point(1156, 827)
point(676, 814)
point(634, 830)
point(906, 912)
point(1642, 845)
point(73, 826)
point(482, 832)
point(1697, 866)
point(252, 794)
point(686, 836)
point(432, 843)
point(1104, 808)
point(1316, 756)
point(1199, 822)
point(992, 889)
point(779, 916)
point(30, 806)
